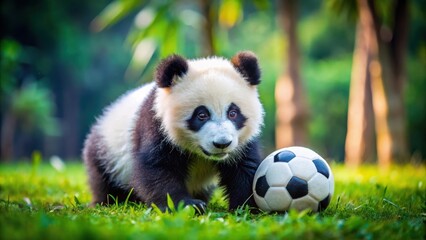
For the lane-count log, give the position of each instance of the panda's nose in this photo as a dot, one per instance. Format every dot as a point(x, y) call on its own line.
point(222, 144)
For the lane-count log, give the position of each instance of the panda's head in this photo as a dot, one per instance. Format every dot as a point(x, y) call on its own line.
point(210, 106)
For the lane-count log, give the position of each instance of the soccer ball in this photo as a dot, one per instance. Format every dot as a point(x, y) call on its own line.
point(293, 178)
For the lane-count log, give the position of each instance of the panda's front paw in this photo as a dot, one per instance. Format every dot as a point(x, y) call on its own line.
point(198, 205)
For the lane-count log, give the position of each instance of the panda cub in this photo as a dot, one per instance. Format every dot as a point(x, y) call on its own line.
point(194, 126)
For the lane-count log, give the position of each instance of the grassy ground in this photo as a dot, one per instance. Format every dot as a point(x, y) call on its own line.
point(40, 202)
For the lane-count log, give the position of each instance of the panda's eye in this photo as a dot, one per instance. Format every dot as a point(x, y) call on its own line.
point(199, 117)
point(233, 114)
point(203, 116)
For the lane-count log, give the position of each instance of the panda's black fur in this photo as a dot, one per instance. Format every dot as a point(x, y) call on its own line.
point(159, 166)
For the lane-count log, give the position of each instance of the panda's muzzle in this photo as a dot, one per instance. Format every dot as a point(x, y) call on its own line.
point(222, 145)
point(215, 155)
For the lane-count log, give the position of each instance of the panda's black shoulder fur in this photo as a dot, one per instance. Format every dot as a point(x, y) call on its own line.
point(238, 177)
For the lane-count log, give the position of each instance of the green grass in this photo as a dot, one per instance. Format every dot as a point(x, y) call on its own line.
point(39, 202)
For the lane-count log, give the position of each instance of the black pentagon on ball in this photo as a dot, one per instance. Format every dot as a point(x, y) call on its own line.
point(324, 203)
point(284, 156)
point(262, 186)
point(297, 187)
point(321, 167)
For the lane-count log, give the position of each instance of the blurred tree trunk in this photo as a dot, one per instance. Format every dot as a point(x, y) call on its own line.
point(359, 146)
point(386, 69)
point(292, 109)
point(389, 105)
point(208, 47)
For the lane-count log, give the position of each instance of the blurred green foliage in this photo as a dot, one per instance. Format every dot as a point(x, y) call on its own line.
point(62, 62)
point(31, 105)
point(10, 54)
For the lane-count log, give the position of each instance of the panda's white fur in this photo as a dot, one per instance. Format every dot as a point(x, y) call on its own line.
point(115, 127)
point(121, 152)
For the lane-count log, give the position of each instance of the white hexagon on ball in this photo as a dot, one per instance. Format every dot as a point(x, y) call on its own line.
point(302, 167)
point(278, 198)
point(279, 175)
point(304, 203)
point(261, 203)
point(319, 187)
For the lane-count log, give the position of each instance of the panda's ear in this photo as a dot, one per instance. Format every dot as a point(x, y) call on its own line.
point(168, 69)
point(246, 64)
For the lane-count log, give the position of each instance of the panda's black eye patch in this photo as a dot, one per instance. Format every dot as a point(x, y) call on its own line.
point(235, 116)
point(199, 117)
